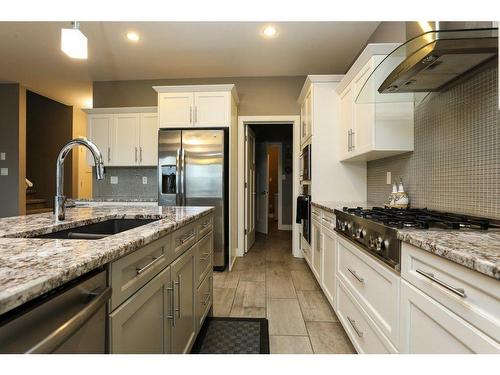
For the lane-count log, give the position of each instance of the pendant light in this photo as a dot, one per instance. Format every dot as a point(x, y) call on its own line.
point(73, 42)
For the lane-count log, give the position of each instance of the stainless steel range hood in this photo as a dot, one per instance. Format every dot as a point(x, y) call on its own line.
point(436, 59)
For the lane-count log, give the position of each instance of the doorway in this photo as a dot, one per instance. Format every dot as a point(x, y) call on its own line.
point(268, 180)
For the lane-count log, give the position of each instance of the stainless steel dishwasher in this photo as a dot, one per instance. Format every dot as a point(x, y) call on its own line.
point(71, 319)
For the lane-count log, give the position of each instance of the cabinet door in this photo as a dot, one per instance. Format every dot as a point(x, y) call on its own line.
point(329, 265)
point(148, 139)
point(364, 113)
point(139, 325)
point(303, 121)
point(309, 115)
point(316, 248)
point(429, 327)
point(125, 139)
point(99, 132)
point(184, 323)
point(175, 109)
point(212, 109)
point(346, 119)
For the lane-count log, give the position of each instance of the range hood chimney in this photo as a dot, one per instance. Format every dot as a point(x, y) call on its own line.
point(436, 59)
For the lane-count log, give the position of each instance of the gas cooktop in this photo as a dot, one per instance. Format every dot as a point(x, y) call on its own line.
point(375, 229)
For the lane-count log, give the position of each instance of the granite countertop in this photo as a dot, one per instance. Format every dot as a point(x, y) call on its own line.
point(474, 249)
point(330, 206)
point(30, 267)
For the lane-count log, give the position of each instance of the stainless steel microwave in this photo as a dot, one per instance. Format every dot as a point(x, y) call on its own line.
point(305, 164)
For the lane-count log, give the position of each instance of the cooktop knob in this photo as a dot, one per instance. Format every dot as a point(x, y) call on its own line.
point(379, 243)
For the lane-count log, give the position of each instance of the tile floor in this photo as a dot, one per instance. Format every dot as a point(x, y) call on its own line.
point(270, 282)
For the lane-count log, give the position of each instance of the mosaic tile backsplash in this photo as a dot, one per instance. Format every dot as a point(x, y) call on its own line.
point(129, 184)
point(455, 166)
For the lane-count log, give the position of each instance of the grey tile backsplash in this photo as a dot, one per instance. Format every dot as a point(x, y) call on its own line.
point(129, 183)
point(455, 166)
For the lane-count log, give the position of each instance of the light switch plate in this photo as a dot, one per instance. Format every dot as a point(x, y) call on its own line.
point(389, 178)
point(144, 180)
point(2, 155)
point(4, 171)
point(113, 180)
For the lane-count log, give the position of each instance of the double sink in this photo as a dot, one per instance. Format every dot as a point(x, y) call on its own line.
point(97, 231)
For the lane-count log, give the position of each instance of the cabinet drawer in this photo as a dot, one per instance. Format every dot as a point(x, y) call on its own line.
point(183, 238)
point(129, 273)
point(428, 327)
point(204, 253)
point(328, 220)
point(472, 296)
point(362, 331)
point(374, 286)
point(306, 250)
point(316, 213)
point(204, 299)
point(204, 225)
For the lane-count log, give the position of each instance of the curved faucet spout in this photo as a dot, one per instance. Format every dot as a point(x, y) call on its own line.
point(59, 209)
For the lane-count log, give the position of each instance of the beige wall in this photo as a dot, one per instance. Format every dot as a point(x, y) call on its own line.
point(259, 96)
point(82, 172)
point(22, 151)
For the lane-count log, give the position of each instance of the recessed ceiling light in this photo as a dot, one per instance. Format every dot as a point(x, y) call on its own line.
point(269, 31)
point(73, 42)
point(132, 36)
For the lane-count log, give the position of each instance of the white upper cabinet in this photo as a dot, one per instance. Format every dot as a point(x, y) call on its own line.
point(99, 131)
point(373, 128)
point(148, 139)
point(204, 106)
point(212, 108)
point(306, 119)
point(126, 136)
point(176, 109)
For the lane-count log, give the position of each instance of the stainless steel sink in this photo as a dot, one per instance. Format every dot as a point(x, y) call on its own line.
point(98, 230)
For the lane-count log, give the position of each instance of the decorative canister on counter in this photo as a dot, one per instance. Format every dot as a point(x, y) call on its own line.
point(398, 198)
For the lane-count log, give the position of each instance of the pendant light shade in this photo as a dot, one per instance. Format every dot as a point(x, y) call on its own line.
point(73, 42)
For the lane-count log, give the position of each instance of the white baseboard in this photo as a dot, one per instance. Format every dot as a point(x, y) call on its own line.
point(284, 227)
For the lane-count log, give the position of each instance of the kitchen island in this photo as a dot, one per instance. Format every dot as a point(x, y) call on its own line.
point(30, 267)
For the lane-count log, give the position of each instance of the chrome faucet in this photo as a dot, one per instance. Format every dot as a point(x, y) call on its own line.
point(60, 199)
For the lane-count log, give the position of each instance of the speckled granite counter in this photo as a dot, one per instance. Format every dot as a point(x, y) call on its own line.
point(477, 250)
point(338, 205)
point(30, 267)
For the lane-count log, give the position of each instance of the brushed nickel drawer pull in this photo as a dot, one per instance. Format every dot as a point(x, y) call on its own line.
point(458, 291)
point(170, 289)
point(155, 260)
point(205, 257)
point(178, 283)
point(352, 322)
point(205, 225)
point(355, 274)
point(185, 239)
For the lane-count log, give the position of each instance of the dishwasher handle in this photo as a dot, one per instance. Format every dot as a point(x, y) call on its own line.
point(61, 334)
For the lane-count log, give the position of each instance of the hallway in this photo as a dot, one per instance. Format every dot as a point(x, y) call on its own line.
point(270, 282)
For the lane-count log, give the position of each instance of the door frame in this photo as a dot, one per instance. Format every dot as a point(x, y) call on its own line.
point(294, 120)
point(266, 178)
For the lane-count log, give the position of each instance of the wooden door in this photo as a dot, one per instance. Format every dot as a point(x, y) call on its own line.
point(126, 139)
point(184, 323)
point(175, 109)
point(212, 109)
point(262, 187)
point(250, 193)
point(148, 142)
point(99, 132)
point(140, 324)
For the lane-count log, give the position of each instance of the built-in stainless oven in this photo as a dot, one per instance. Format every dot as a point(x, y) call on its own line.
point(306, 219)
point(305, 164)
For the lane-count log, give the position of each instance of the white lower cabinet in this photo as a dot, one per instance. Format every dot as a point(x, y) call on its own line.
point(427, 327)
point(138, 325)
point(328, 279)
point(316, 245)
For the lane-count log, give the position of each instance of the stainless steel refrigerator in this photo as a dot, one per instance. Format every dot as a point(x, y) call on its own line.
point(192, 171)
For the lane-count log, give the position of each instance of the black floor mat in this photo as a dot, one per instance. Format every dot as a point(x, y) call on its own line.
point(233, 336)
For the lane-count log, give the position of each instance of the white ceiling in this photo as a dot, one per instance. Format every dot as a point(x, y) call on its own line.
point(31, 52)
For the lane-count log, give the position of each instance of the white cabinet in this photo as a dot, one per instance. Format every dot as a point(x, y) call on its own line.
point(195, 106)
point(316, 245)
point(373, 126)
point(126, 136)
point(175, 109)
point(99, 131)
point(328, 279)
point(427, 327)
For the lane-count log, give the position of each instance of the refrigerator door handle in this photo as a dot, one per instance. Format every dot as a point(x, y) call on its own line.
point(177, 176)
point(183, 177)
